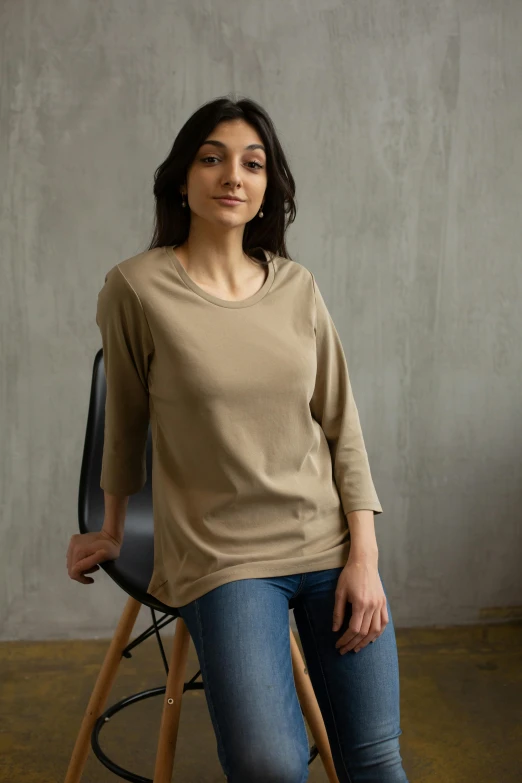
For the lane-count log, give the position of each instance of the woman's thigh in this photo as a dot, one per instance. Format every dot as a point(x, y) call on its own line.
point(358, 693)
point(242, 638)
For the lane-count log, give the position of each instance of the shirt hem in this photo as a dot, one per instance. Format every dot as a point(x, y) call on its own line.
point(164, 592)
point(364, 505)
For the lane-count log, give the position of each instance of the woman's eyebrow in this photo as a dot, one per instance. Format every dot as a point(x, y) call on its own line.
point(217, 143)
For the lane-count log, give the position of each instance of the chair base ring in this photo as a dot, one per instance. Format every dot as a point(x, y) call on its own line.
point(123, 773)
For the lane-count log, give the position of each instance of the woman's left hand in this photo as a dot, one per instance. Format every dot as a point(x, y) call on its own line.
point(360, 585)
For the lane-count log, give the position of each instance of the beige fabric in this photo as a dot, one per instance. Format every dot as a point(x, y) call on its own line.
point(258, 452)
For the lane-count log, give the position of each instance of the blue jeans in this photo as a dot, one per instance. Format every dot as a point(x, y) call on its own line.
point(241, 634)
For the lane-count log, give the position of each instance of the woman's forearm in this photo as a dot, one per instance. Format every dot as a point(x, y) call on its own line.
point(363, 544)
point(115, 512)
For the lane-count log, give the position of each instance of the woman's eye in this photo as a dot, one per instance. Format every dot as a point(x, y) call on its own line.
point(213, 157)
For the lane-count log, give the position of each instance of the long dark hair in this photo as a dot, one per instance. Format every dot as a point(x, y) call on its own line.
point(172, 221)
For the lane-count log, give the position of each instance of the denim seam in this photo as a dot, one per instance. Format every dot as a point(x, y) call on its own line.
point(326, 691)
point(211, 702)
point(301, 584)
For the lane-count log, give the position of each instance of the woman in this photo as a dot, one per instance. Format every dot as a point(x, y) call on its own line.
point(263, 498)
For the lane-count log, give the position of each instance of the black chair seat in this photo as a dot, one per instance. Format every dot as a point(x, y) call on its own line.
point(132, 571)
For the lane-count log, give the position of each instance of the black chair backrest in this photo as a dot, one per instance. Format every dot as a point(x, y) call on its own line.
point(132, 571)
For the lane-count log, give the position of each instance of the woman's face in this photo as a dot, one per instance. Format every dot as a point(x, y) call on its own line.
point(228, 167)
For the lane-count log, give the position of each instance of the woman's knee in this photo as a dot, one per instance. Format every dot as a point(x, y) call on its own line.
point(270, 770)
point(381, 760)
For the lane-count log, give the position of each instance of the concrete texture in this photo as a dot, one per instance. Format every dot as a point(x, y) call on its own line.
point(461, 690)
point(402, 126)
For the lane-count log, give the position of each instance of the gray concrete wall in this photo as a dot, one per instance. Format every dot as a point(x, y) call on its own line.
point(402, 123)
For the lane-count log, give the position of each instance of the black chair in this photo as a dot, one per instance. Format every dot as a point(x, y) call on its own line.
point(132, 571)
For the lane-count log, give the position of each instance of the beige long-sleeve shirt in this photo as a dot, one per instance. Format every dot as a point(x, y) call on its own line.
point(258, 453)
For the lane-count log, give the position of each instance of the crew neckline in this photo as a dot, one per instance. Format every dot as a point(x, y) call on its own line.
point(250, 300)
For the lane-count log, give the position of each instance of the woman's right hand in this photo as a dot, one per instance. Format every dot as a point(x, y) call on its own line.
point(86, 550)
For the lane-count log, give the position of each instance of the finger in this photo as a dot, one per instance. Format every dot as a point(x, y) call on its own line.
point(84, 580)
point(89, 557)
point(357, 640)
point(70, 557)
point(79, 576)
point(373, 633)
point(87, 562)
point(338, 612)
point(77, 551)
point(379, 622)
point(354, 626)
point(366, 630)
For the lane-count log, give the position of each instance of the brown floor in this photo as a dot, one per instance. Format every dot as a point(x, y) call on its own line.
point(461, 710)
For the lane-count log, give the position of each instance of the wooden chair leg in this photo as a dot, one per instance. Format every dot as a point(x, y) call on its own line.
point(311, 709)
point(170, 718)
point(102, 689)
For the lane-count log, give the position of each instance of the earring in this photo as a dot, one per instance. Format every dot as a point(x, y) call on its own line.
point(183, 202)
point(260, 213)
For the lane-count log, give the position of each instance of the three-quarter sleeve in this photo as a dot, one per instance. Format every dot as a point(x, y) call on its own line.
point(333, 406)
point(127, 351)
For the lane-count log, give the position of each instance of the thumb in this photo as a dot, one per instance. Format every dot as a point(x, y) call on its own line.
point(338, 612)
